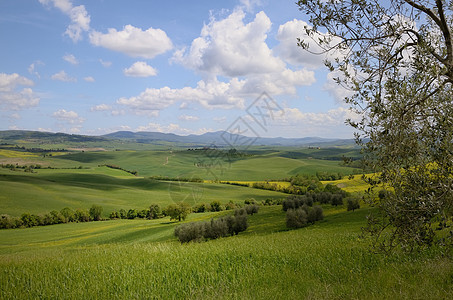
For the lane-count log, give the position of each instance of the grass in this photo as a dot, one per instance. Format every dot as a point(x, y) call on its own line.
point(323, 261)
point(47, 190)
point(355, 185)
point(141, 259)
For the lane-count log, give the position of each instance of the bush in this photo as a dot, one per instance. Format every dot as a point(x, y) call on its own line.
point(337, 199)
point(304, 215)
point(123, 214)
point(95, 212)
point(249, 201)
point(315, 214)
point(230, 206)
point(154, 211)
point(190, 232)
point(251, 209)
point(353, 204)
point(296, 218)
point(216, 228)
point(201, 208)
point(131, 214)
point(81, 215)
point(178, 211)
point(216, 206)
point(294, 202)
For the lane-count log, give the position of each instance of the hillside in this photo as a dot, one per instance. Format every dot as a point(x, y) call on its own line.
point(218, 139)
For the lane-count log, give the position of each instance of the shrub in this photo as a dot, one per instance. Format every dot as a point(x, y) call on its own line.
point(190, 232)
point(239, 224)
point(249, 201)
point(95, 212)
point(314, 214)
point(251, 209)
point(230, 205)
point(131, 214)
point(337, 199)
point(178, 211)
point(296, 218)
point(353, 204)
point(216, 228)
point(154, 211)
point(81, 215)
point(123, 214)
point(216, 206)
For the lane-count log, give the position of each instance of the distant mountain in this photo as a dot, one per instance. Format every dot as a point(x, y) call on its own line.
point(13, 136)
point(224, 139)
point(218, 138)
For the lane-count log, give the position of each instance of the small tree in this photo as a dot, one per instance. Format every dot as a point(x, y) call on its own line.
point(178, 211)
point(95, 212)
point(131, 214)
point(154, 211)
point(123, 213)
point(216, 206)
point(296, 218)
point(353, 204)
point(68, 214)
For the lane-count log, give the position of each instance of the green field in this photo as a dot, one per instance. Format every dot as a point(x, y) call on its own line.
point(141, 259)
point(259, 165)
point(47, 190)
point(127, 259)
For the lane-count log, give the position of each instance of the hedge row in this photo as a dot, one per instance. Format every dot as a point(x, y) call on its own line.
point(226, 226)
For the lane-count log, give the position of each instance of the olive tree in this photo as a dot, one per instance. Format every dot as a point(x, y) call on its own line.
point(396, 59)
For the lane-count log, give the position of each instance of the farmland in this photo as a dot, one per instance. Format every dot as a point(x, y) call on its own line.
point(140, 258)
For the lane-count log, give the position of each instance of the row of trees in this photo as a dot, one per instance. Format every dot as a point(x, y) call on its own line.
point(65, 215)
point(225, 226)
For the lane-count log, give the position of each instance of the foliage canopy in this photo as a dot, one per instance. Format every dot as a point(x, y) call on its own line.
point(396, 59)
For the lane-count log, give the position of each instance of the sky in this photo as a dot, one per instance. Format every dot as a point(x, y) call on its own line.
point(184, 67)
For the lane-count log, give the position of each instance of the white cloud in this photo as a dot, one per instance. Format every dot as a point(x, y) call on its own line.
point(209, 94)
point(89, 79)
point(250, 4)
point(62, 76)
point(105, 64)
point(140, 69)
point(70, 58)
point(338, 92)
point(220, 119)
point(12, 98)
point(287, 49)
point(32, 68)
point(101, 107)
point(296, 123)
point(15, 116)
point(231, 48)
point(80, 20)
point(237, 50)
point(133, 41)
point(70, 117)
point(333, 117)
point(188, 118)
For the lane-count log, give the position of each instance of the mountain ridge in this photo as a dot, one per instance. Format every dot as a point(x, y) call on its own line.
point(217, 138)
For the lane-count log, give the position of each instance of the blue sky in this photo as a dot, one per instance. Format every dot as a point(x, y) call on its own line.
point(185, 67)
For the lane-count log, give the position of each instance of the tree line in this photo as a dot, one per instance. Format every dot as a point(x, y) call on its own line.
point(216, 228)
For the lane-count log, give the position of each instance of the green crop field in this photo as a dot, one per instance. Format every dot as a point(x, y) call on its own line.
point(141, 259)
point(127, 259)
point(48, 190)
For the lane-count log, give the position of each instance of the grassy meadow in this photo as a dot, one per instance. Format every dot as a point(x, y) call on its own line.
point(131, 259)
point(142, 259)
